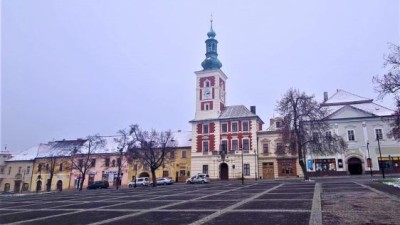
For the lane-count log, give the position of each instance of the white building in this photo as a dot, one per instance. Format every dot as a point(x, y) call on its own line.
point(359, 121)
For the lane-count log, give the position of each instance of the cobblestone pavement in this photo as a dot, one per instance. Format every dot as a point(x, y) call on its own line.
point(261, 202)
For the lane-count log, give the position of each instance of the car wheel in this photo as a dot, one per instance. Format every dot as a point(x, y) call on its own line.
point(165, 183)
point(202, 181)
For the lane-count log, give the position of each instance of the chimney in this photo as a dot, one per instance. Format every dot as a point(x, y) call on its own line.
point(325, 96)
point(271, 121)
point(253, 109)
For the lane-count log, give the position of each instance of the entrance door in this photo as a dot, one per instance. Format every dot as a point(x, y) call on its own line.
point(224, 171)
point(59, 185)
point(268, 170)
point(17, 186)
point(354, 166)
point(39, 185)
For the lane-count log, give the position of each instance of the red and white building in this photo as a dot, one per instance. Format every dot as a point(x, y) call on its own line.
point(224, 141)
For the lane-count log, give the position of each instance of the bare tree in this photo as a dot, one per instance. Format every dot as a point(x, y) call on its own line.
point(389, 84)
point(306, 128)
point(150, 147)
point(123, 142)
point(82, 158)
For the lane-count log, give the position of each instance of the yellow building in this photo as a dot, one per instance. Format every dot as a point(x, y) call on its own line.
point(16, 175)
point(177, 164)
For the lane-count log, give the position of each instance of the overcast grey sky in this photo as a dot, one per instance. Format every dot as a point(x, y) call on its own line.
point(71, 68)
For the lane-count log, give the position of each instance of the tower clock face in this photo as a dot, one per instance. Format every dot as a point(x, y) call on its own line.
point(207, 93)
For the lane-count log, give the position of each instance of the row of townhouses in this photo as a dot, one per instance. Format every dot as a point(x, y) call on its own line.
point(226, 142)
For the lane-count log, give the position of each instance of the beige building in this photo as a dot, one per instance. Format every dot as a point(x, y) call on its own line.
point(17, 173)
point(274, 161)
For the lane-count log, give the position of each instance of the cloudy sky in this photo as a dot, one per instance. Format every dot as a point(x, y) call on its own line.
point(74, 68)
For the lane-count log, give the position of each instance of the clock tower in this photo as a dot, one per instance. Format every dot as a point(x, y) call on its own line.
point(210, 82)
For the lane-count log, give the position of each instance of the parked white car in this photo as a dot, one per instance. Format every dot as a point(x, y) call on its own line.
point(200, 178)
point(141, 181)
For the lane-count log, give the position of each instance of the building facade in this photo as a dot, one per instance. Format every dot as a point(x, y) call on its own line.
point(224, 138)
point(18, 170)
point(363, 125)
point(274, 161)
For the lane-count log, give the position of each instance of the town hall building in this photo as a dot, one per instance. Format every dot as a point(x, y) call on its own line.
point(224, 138)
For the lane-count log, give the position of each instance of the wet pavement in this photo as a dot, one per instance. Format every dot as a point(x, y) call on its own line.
point(336, 201)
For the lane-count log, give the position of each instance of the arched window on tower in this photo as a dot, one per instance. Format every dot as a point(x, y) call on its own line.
point(207, 83)
point(209, 47)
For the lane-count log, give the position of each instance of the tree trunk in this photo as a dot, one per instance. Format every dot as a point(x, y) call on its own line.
point(49, 181)
point(304, 169)
point(153, 174)
point(81, 183)
point(118, 177)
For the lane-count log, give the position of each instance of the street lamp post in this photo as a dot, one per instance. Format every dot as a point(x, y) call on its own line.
point(255, 164)
point(380, 156)
point(369, 160)
point(242, 167)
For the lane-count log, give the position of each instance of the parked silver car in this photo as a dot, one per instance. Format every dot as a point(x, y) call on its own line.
point(200, 178)
point(163, 181)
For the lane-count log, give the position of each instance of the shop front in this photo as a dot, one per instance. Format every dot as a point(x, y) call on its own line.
point(287, 167)
point(390, 164)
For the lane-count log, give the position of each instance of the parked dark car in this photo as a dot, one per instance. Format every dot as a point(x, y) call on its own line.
point(99, 184)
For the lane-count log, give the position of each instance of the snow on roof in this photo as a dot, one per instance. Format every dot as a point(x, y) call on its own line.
point(182, 138)
point(236, 111)
point(59, 148)
point(26, 155)
point(342, 97)
point(374, 108)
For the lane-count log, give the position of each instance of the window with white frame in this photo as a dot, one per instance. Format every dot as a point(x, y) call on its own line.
point(245, 125)
point(246, 169)
point(234, 127)
point(265, 148)
point(224, 145)
point(350, 135)
point(235, 145)
point(246, 144)
point(279, 148)
point(378, 133)
point(224, 128)
point(205, 146)
point(183, 154)
point(205, 128)
point(205, 169)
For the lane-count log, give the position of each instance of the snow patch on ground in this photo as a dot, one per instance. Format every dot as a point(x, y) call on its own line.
point(393, 182)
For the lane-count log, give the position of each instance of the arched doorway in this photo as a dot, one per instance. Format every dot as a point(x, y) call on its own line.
point(144, 174)
point(59, 185)
point(39, 185)
point(354, 166)
point(223, 171)
point(7, 187)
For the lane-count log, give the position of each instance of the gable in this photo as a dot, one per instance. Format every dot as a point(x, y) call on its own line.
point(349, 112)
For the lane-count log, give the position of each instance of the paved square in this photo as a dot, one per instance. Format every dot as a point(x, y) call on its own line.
point(261, 202)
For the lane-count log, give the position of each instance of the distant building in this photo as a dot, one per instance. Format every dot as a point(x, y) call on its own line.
point(360, 122)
